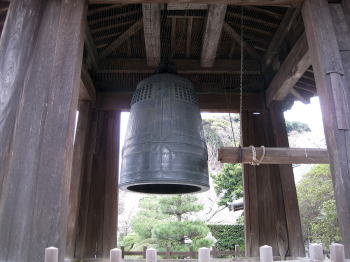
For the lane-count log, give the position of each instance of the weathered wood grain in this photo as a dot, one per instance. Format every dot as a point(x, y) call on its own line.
point(183, 66)
point(236, 37)
point(79, 156)
point(292, 69)
point(41, 52)
point(327, 59)
point(279, 37)
point(101, 224)
point(207, 102)
point(288, 3)
point(212, 32)
point(274, 155)
point(137, 26)
point(295, 233)
point(151, 29)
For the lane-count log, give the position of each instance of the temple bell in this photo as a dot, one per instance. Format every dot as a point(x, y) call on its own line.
point(164, 150)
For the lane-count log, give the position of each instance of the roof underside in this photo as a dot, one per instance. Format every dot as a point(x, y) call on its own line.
point(115, 47)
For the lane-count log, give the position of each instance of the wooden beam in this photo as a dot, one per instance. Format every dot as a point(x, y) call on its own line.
point(286, 3)
point(212, 32)
point(151, 28)
point(91, 47)
point(277, 155)
point(207, 102)
point(235, 36)
point(279, 36)
point(299, 96)
point(292, 69)
point(295, 234)
point(184, 66)
point(328, 59)
point(41, 56)
point(137, 26)
point(80, 147)
point(87, 89)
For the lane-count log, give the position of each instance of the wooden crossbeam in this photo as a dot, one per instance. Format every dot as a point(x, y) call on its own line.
point(279, 36)
point(151, 28)
point(286, 3)
point(274, 155)
point(183, 66)
point(212, 32)
point(292, 69)
point(91, 47)
point(137, 26)
point(236, 37)
point(87, 89)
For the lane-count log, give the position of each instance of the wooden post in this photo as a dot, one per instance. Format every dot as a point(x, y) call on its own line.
point(144, 252)
point(280, 135)
point(168, 253)
point(237, 251)
point(78, 165)
point(264, 207)
point(101, 225)
point(331, 67)
point(41, 51)
point(85, 188)
point(123, 251)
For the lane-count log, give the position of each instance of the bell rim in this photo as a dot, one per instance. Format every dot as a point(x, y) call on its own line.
point(201, 187)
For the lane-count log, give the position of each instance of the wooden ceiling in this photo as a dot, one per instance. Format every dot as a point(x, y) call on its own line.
point(203, 42)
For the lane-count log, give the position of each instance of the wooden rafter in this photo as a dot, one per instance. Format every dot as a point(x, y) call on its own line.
point(212, 32)
point(292, 69)
point(286, 3)
point(279, 36)
point(184, 66)
point(207, 102)
point(189, 36)
point(91, 48)
point(235, 36)
point(137, 26)
point(274, 155)
point(87, 89)
point(151, 28)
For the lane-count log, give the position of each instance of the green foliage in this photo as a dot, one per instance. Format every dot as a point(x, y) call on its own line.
point(173, 233)
point(317, 206)
point(228, 236)
point(179, 205)
point(296, 126)
point(155, 225)
point(148, 215)
point(229, 183)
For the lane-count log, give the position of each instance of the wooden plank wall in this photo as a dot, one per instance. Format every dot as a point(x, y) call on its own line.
point(41, 52)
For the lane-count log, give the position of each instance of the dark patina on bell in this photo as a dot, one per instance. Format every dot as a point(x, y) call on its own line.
point(164, 151)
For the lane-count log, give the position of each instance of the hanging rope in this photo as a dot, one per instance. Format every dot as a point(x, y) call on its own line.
point(255, 161)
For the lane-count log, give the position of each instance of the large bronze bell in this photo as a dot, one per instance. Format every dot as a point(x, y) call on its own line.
point(164, 150)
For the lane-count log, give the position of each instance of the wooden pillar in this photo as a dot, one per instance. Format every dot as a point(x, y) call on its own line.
point(79, 158)
point(41, 51)
point(331, 65)
point(265, 211)
point(295, 233)
point(101, 224)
